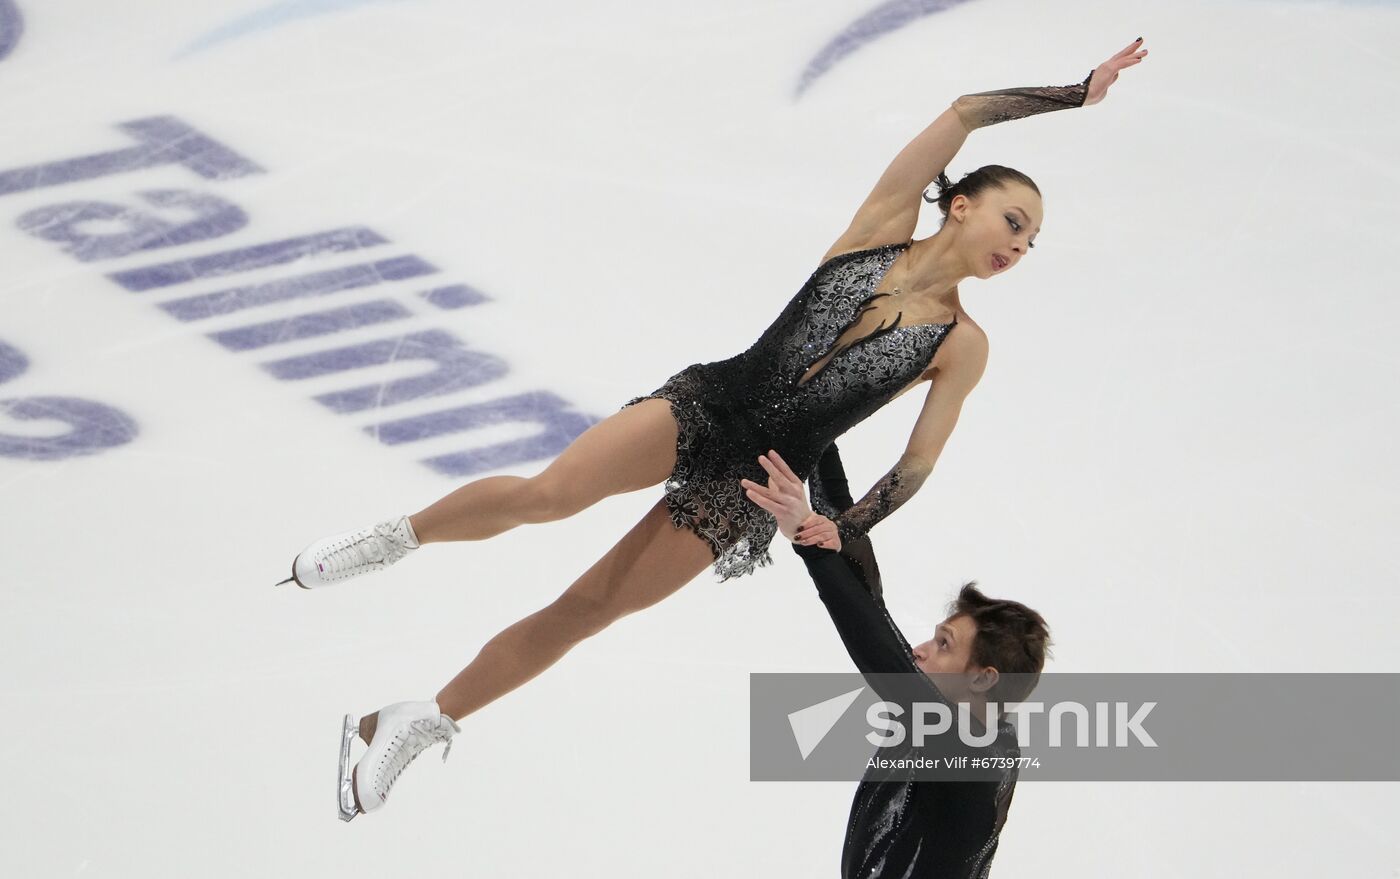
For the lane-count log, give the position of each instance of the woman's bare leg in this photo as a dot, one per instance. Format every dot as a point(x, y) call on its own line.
point(629, 450)
point(651, 562)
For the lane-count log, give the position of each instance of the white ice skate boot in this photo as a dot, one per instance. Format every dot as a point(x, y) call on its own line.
point(402, 732)
point(353, 553)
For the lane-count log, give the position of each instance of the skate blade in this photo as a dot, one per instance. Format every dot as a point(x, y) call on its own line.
point(344, 795)
point(291, 579)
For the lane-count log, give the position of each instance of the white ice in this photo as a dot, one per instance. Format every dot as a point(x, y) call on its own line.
point(1181, 452)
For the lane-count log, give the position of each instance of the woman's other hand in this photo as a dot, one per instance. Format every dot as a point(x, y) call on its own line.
point(785, 498)
point(818, 530)
point(1107, 73)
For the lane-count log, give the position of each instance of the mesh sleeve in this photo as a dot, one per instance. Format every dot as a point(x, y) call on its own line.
point(988, 108)
point(887, 495)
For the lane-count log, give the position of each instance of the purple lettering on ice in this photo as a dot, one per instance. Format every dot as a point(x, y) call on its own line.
point(11, 27)
point(91, 427)
point(457, 368)
point(886, 18)
point(296, 287)
point(12, 362)
point(84, 229)
point(213, 218)
point(163, 140)
point(246, 259)
point(457, 296)
point(558, 427)
point(307, 326)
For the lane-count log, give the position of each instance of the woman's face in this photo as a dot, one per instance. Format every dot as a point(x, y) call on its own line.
point(998, 227)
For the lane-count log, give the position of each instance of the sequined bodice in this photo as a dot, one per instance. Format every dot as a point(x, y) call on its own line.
point(832, 357)
point(763, 390)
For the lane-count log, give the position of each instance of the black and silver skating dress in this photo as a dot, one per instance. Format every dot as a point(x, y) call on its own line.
point(794, 391)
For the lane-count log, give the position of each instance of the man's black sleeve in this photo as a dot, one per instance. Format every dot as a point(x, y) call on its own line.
point(870, 636)
point(831, 496)
point(873, 641)
point(850, 588)
point(865, 627)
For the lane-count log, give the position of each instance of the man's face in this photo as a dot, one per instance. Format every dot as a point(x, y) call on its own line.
point(947, 656)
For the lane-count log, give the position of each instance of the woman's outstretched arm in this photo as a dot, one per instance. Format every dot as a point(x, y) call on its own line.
point(950, 386)
point(891, 211)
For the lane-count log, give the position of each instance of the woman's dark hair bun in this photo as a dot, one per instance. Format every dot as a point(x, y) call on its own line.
point(945, 187)
point(974, 183)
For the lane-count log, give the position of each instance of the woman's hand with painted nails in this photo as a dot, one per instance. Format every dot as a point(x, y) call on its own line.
point(818, 530)
point(1107, 73)
point(783, 496)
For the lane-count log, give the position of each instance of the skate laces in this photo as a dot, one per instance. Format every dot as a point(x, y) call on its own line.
point(378, 546)
point(413, 739)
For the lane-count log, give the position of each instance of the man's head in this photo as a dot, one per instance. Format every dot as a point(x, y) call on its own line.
point(981, 640)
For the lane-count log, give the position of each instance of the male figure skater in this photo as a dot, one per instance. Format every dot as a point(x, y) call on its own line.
point(986, 650)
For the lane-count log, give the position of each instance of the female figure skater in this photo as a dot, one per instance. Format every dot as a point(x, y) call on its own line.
point(880, 315)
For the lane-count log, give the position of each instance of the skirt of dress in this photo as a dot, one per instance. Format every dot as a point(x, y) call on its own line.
point(715, 448)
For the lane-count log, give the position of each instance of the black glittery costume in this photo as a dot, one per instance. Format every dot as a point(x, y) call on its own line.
point(835, 354)
point(900, 827)
point(732, 411)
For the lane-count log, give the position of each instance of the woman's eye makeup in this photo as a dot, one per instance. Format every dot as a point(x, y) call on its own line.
point(1016, 227)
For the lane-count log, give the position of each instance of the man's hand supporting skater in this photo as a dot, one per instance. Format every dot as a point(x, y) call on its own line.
point(786, 499)
point(870, 636)
point(875, 644)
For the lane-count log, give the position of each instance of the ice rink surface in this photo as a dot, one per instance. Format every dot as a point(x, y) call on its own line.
point(503, 221)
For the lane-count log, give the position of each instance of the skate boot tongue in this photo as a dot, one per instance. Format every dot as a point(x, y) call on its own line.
point(354, 553)
point(362, 553)
point(418, 737)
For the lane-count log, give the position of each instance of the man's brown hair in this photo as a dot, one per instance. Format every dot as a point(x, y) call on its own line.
point(1011, 638)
